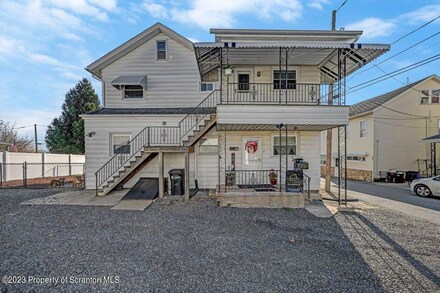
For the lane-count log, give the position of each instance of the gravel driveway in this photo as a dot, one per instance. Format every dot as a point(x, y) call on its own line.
point(200, 247)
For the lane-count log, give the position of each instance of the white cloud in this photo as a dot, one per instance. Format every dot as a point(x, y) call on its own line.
point(92, 8)
point(224, 13)
point(423, 14)
point(156, 10)
point(373, 27)
point(318, 4)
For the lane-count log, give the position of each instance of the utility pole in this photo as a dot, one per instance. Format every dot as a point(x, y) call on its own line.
point(328, 154)
point(36, 139)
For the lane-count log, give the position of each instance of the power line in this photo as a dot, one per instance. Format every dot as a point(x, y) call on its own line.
point(393, 110)
point(343, 3)
point(394, 73)
point(413, 31)
point(403, 51)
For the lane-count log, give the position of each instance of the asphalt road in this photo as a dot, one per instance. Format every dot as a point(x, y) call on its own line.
point(396, 192)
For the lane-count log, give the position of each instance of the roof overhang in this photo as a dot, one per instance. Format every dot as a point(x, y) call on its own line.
point(431, 139)
point(234, 35)
point(324, 55)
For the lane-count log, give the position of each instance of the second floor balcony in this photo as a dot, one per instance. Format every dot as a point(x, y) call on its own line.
point(282, 93)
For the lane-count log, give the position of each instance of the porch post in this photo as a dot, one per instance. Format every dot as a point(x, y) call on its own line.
point(433, 159)
point(186, 197)
point(161, 177)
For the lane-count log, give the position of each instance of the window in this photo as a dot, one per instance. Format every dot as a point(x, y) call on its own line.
point(291, 145)
point(430, 96)
point(355, 158)
point(243, 81)
point(323, 159)
point(435, 96)
point(120, 143)
point(363, 129)
point(280, 80)
point(133, 92)
point(208, 146)
point(206, 86)
point(438, 125)
point(161, 50)
point(424, 99)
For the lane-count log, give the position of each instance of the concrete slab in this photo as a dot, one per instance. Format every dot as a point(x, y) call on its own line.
point(321, 210)
point(79, 197)
point(133, 205)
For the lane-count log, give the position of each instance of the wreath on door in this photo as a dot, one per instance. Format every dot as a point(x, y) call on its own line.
point(251, 147)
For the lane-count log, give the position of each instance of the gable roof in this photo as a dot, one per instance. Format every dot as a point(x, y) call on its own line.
point(138, 40)
point(373, 103)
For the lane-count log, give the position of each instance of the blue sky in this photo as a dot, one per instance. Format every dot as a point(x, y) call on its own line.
point(45, 45)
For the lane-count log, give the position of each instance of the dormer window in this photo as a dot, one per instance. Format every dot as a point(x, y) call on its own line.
point(161, 47)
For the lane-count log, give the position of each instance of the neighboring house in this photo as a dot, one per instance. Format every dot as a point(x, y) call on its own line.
point(384, 132)
point(232, 113)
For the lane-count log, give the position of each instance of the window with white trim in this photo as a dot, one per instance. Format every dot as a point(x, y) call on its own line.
point(438, 126)
point(430, 96)
point(363, 128)
point(206, 86)
point(208, 146)
point(132, 92)
point(119, 143)
point(161, 50)
point(281, 150)
point(281, 79)
point(323, 159)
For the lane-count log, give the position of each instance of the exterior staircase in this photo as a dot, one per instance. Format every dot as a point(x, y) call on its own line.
point(144, 147)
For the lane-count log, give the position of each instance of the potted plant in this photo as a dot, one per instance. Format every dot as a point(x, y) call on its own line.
point(228, 69)
point(273, 177)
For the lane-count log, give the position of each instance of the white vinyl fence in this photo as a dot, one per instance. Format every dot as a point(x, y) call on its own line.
point(39, 165)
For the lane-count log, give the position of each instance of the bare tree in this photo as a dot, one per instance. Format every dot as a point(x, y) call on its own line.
point(12, 141)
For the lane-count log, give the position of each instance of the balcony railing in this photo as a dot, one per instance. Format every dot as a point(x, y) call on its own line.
point(274, 93)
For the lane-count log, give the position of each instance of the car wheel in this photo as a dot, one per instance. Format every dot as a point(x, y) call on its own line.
point(422, 190)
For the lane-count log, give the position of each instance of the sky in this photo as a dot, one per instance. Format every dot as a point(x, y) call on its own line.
point(45, 45)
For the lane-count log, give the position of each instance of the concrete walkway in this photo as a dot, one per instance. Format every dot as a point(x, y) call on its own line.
point(411, 210)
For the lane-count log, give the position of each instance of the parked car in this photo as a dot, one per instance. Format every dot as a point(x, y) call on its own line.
point(426, 187)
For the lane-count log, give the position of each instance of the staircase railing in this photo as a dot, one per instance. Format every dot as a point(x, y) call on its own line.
point(157, 136)
point(306, 185)
point(204, 108)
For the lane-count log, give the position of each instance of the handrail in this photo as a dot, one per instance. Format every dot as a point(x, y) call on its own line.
point(187, 123)
point(274, 93)
point(156, 135)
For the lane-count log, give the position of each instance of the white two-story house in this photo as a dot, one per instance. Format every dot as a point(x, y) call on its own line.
point(238, 114)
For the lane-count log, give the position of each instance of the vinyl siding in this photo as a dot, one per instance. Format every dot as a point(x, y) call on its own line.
point(398, 145)
point(98, 146)
point(274, 114)
point(171, 83)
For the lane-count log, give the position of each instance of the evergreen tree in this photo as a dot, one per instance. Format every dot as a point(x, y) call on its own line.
point(66, 133)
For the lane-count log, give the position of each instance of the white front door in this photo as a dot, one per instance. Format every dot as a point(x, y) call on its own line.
point(252, 153)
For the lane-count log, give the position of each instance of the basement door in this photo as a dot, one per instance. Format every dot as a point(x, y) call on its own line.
point(252, 153)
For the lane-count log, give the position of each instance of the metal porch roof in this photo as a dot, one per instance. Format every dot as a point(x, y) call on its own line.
point(321, 54)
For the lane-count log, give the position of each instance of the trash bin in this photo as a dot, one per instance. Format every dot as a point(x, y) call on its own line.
point(177, 180)
point(400, 177)
point(412, 175)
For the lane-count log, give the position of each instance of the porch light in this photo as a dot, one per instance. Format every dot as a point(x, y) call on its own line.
point(228, 70)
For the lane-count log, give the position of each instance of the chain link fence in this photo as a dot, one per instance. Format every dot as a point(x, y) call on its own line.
point(42, 175)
